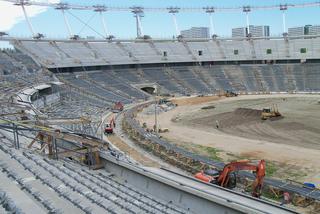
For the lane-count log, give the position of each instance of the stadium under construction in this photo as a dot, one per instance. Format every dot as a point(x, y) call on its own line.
point(94, 125)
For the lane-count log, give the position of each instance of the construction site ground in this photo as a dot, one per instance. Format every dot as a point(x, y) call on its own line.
point(121, 141)
point(291, 144)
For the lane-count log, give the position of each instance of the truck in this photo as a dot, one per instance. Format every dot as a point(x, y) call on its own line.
point(117, 107)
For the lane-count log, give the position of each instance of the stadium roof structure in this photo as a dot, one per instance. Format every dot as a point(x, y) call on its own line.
point(164, 9)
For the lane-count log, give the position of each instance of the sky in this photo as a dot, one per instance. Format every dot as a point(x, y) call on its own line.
point(49, 21)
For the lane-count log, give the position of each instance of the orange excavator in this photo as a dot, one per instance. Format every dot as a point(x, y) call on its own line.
point(109, 127)
point(227, 177)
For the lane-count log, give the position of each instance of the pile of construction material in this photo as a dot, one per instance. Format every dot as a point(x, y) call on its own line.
point(162, 105)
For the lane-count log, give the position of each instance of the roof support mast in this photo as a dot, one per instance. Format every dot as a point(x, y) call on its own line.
point(210, 11)
point(247, 9)
point(138, 14)
point(63, 7)
point(174, 11)
point(100, 9)
point(22, 3)
point(284, 8)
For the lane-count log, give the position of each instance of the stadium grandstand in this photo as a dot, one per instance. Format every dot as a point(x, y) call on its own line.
point(110, 125)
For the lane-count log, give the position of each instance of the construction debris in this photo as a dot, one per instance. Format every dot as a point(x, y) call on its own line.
point(208, 107)
point(163, 105)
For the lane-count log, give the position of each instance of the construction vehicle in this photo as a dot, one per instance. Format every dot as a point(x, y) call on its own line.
point(230, 94)
point(227, 93)
point(268, 113)
point(117, 107)
point(109, 127)
point(227, 177)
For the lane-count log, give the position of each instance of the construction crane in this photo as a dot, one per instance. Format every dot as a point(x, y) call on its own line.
point(227, 177)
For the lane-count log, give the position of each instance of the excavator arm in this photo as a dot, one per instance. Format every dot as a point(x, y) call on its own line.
point(258, 169)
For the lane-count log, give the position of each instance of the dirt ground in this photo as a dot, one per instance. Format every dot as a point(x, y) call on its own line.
point(124, 147)
point(132, 152)
point(291, 144)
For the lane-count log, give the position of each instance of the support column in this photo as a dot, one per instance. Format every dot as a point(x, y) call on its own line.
point(101, 9)
point(284, 8)
point(28, 21)
point(64, 7)
point(15, 136)
point(105, 29)
point(24, 3)
point(138, 13)
point(140, 30)
point(247, 9)
point(155, 110)
point(67, 23)
point(210, 11)
point(55, 147)
point(174, 11)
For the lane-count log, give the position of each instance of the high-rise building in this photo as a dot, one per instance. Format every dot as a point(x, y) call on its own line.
point(259, 31)
point(296, 31)
point(304, 30)
point(313, 30)
point(255, 31)
point(239, 32)
point(196, 32)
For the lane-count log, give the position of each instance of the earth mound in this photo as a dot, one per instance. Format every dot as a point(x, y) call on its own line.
point(238, 117)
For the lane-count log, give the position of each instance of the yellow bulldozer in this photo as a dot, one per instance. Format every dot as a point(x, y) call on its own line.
point(268, 113)
point(227, 93)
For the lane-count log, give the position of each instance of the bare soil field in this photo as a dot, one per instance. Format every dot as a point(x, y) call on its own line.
point(291, 144)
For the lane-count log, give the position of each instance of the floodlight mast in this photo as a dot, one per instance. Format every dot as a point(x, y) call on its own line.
point(138, 14)
point(210, 11)
point(284, 8)
point(63, 7)
point(174, 11)
point(101, 9)
point(23, 3)
point(247, 9)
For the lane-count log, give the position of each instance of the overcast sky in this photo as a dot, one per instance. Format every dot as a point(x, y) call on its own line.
point(122, 24)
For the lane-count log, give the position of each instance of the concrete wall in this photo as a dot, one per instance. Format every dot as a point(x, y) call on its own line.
point(188, 193)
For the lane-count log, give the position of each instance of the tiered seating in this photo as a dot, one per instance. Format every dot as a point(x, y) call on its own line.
point(78, 81)
point(75, 189)
point(299, 75)
point(218, 74)
point(191, 79)
point(204, 79)
point(74, 104)
point(85, 53)
point(7, 205)
point(6, 64)
point(130, 75)
point(269, 78)
point(159, 76)
point(22, 59)
point(235, 77)
point(280, 77)
point(12, 83)
point(250, 78)
point(312, 77)
point(114, 83)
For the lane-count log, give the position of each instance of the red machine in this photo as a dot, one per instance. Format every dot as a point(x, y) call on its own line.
point(109, 127)
point(117, 107)
point(227, 177)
